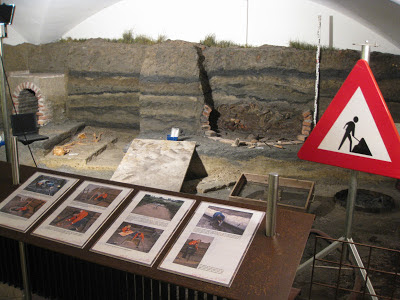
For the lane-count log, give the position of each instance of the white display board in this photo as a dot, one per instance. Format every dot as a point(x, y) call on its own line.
point(214, 243)
point(143, 229)
point(32, 199)
point(76, 220)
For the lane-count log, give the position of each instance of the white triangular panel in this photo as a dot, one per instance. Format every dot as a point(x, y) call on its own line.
point(365, 128)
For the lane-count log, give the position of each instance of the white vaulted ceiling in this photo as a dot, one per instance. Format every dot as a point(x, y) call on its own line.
point(44, 21)
point(381, 16)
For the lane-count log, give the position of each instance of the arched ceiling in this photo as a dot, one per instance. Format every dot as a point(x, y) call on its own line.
point(381, 16)
point(39, 21)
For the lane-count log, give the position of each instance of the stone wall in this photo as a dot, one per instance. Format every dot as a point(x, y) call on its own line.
point(260, 90)
point(263, 90)
point(170, 89)
point(102, 86)
point(270, 88)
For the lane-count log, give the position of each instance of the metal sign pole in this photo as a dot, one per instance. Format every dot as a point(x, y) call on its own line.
point(352, 193)
point(351, 202)
point(247, 22)
point(365, 51)
point(350, 207)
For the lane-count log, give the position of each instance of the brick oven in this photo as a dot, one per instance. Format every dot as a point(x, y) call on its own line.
point(38, 92)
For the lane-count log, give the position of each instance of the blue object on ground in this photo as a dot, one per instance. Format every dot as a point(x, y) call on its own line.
point(2, 143)
point(172, 138)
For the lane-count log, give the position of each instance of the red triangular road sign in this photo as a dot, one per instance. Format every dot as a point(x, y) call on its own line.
point(356, 131)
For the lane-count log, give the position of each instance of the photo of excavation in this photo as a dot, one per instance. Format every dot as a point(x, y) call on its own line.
point(75, 219)
point(22, 206)
point(158, 207)
point(135, 237)
point(46, 185)
point(225, 220)
point(98, 195)
point(193, 250)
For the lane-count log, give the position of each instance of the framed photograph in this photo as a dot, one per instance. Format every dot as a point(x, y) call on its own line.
point(82, 214)
point(47, 185)
point(215, 230)
point(193, 250)
point(32, 199)
point(141, 232)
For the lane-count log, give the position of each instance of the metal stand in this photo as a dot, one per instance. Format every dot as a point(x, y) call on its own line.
point(15, 161)
point(24, 269)
point(4, 107)
point(12, 156)
point(270, 216)
point(350, 206)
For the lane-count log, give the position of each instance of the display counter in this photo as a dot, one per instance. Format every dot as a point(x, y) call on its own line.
point(266, 272)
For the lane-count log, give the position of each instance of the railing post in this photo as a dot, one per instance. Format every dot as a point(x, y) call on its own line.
point(270, 221)
point(15, 161)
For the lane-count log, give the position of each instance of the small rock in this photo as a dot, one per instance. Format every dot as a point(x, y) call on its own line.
point(205, 127)
point(126, 147)
point(264, 140)
point(236, 143)
point(252, 137)
point(210, 133)
point(301, 137)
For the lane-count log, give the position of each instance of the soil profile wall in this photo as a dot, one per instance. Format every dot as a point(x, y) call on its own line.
point(161, 86)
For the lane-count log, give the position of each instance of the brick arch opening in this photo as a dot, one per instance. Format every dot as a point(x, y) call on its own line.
point(28, 103)
point(25, 92)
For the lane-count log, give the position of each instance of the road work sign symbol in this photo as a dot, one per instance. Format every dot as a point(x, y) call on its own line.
point(356, 131)
point(361, 147)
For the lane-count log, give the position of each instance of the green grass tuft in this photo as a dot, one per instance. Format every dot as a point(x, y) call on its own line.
point(211, 41)
point(161, 39)
point(144, 40)
point(128, 37)
point(71, 40)
point(307, 46)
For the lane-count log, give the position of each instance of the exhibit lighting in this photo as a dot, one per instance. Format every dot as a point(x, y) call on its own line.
point(6, 13)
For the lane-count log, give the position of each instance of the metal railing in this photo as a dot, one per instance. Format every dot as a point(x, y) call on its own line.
point(380, 266)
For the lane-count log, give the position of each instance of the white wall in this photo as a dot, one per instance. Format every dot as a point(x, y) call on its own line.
point(177, 19)
point(13, 37)
point(278, 22)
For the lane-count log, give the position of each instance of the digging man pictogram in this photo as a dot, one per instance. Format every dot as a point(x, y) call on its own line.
point(350, 130)
point(361, 147)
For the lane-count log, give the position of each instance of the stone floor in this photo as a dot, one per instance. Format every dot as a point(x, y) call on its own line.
point(11, 293)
